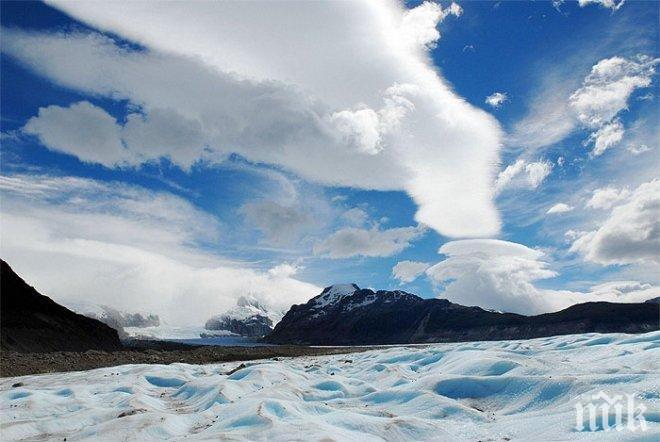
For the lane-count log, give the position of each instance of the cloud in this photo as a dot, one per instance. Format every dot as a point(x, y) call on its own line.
point(284, 270)
point(607, 136)
point(630, 234)
point(614, 5)
point(562, 105)
point(351, 241)
point(522, 174)
point(494, 274)
point(419, 25)
point(81, 240)
point(619, 289)
point(501, 275)
point(605, 92)
point(559, 208)
point(281, 225)
point(83, 130)
point(408, 271)
point(606, 197)
point(211, 80)
point(496, 99)
point(355, 216)
point(639, 149)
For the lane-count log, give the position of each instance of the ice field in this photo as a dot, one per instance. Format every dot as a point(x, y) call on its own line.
point(505, 390)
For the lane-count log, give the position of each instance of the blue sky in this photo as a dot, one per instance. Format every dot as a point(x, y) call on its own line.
point(115, 164)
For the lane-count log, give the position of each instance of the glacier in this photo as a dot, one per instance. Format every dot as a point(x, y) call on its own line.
point(500, 390)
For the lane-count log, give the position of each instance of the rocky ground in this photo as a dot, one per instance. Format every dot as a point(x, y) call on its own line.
point(149, 352)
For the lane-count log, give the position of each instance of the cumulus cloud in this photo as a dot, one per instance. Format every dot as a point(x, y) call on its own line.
point(129, 247)
point(408, 271)
point(523, 174)
point(559, 208)
point(496, 99)
point(607, 136)
point(362, 95)
point(374, 242)
point(606, 197)
point(605, 93)
point(494, 274)
point(501, 275)
point(419, 25)
point(631, 232)
point(83, 130)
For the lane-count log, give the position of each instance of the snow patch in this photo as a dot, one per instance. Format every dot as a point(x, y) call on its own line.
point(333, 294)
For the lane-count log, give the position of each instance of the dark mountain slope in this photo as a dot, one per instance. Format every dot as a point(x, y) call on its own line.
point(31, 322)
point(347, 315)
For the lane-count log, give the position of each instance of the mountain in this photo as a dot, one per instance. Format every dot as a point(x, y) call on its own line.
point(348, 315)
point(115, 318)
point(248, 318)
point(32, 322)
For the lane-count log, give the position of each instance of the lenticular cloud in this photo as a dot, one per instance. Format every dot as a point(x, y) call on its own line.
point(300, 86)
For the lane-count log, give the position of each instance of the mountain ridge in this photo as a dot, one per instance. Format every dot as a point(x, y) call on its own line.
point(32, 322)
point(367, 317)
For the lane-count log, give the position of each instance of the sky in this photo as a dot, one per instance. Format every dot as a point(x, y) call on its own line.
point(171, 157)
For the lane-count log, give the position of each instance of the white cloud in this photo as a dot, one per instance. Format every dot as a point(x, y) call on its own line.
point(80, 240)
point(362, 95)
point(623, 289)
point(355, 216)
point(630, 234)
point(284, 270)
point(605, 93)
point(614, 5)
point(638, 149)
point(561, 105)
point(280, 224)
point(494, 274)
point(607, 136)
point(351, 241)
point(557, 4)
point(83, 130)
point(496, 99)
point(419, 25)
point(408, 271)
point(522, 174)
point(500, 275)
point(606, 197)
point(609, 85)
point(559, 208)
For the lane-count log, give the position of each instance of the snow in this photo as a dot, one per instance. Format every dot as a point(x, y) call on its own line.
point(334, 294)
point(248, 307)
point(503, 390)
point(166, 332)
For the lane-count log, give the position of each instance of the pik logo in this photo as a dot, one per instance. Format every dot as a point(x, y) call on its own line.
point(610, 413)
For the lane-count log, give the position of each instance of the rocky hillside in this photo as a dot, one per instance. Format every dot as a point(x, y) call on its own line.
point(348, 315)
point(32, 322)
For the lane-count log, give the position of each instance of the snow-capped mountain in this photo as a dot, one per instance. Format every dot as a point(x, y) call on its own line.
point(344, 314)
point(119, 320)
point(249, 318)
